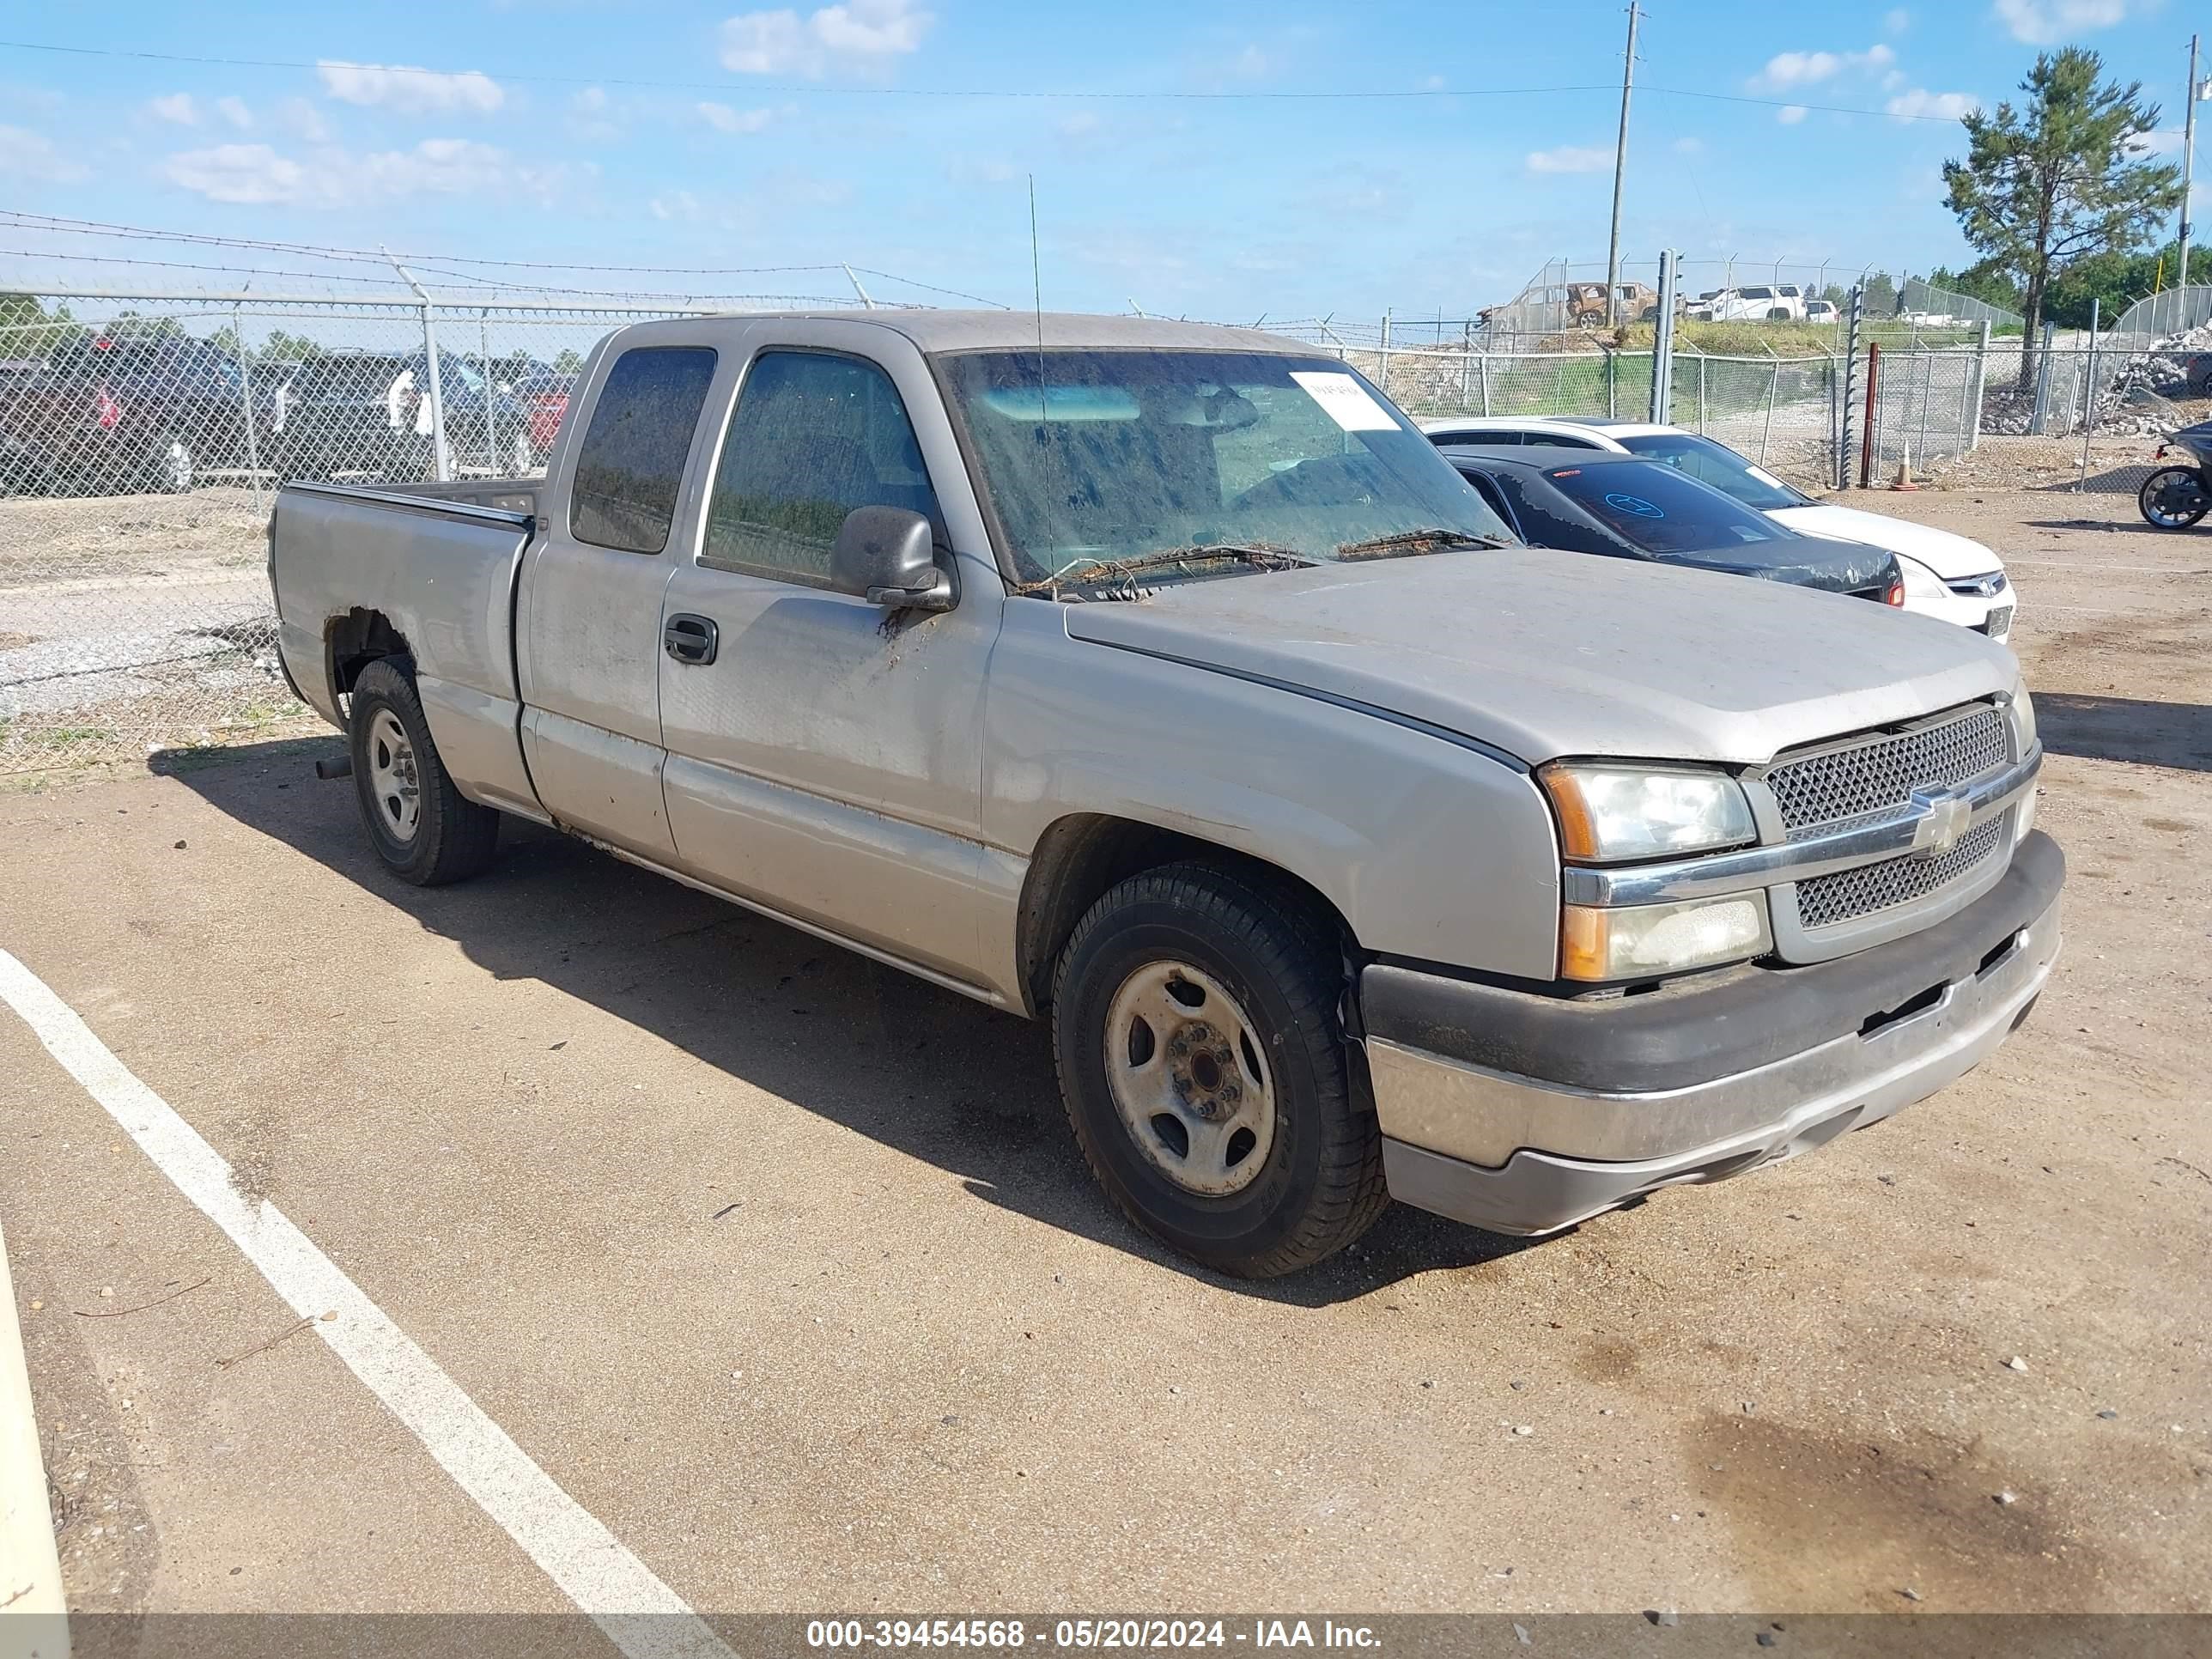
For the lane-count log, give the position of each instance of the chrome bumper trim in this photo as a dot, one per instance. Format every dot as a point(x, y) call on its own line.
point(1492, 1119)
point(1933, 821)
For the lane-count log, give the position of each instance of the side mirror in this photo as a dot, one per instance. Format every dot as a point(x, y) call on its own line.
point(887, 556)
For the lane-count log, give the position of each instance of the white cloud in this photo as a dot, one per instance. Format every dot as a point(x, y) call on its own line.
point(411, 91)
point(1791, 114)
point(677, 205)
point(1949, 106)
point(1689, 146)
point(2164, 142)
point(177, 106)
point(260, 175)
point(234, 110)
point(303, 121)
point(858, 35)
point(1896, 21)
point(28, 155)
point(723, 118)
point(1805, 69)
point(2047, 22)
point(1570, 158)
point(591, 100)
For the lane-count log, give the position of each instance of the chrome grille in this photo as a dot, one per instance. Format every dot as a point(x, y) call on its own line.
point(1824, 901)
point(1881, 774)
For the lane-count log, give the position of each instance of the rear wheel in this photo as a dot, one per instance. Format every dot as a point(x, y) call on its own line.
point(1207, 1073)
point(2173, 498)
point(426, 831)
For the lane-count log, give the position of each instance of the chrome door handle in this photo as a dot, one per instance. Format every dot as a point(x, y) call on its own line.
point(690, 639)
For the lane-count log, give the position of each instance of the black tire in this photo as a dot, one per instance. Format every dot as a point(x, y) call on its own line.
point(452, 837)
point(1319, 1185)
point(2173, 498)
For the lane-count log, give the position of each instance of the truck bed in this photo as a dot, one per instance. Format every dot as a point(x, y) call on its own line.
point(436, 563)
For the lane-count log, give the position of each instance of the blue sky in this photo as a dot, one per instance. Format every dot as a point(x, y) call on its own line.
point(853, 132)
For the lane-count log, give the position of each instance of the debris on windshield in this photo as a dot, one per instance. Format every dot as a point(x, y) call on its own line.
point(1415, 541)
point(1122, 572)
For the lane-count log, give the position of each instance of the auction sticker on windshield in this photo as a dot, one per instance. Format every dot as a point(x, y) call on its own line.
point(1344, 400)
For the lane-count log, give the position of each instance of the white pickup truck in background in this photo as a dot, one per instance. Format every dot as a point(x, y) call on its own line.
point(1164, 682)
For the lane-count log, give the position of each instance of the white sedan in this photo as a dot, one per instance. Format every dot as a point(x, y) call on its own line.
point(1945, 575)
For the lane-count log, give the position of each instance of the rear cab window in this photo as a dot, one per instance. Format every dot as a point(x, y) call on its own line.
point(629, 468)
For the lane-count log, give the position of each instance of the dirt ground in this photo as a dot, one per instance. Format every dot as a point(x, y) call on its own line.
point(784, 1267)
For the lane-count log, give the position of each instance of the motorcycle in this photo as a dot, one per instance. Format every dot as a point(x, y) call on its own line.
point(2176, 497)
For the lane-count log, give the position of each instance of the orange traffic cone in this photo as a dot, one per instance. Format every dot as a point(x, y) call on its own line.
point(1904, 478)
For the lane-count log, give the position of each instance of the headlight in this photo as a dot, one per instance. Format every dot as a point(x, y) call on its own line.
point(2019, 714)
point(1608, 812)
point(1646, 939)
point(1921, 582)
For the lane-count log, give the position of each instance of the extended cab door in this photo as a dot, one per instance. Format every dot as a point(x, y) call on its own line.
point(589, 621)
point(824, 755)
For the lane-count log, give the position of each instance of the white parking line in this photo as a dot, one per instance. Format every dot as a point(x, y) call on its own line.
point(640, 1614)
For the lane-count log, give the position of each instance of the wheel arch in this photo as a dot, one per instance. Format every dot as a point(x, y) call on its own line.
point(354, 639)
point(1082, 856)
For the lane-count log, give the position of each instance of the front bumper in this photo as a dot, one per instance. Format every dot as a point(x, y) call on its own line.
point(1524, 1113)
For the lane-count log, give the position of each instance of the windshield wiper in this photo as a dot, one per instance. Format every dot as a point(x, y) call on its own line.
point(1415, 541)
point(1258, 555)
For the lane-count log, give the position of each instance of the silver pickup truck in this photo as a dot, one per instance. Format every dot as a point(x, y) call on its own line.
point(1163, 682)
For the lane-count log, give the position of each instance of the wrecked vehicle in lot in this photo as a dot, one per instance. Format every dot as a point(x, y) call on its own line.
point(1162, 682)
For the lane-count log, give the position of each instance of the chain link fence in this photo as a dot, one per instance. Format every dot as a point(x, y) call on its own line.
point(142, 439)
point(139, 454)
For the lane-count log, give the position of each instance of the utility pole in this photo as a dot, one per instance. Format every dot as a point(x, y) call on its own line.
point(2188, 161)
point(1619, 175)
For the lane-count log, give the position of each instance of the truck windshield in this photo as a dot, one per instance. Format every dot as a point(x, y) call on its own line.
point(1718, 465)
point(1660, 510)
point(1097, 457)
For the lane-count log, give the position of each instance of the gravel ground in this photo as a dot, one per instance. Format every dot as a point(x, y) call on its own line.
point(784, 1267)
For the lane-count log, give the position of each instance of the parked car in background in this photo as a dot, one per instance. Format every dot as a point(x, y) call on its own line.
point(1755, 303)
point(368, 414)
point(1162, 682)
point(1821, 311)
point(113, 415)
point(545, 399)
point(1623, 507)
point(1946, 575)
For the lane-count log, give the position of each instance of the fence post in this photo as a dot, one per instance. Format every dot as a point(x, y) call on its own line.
point(2089, 393)
point(1855, 316)
point(1466, 363)
point(1872, 412)
point(441, 460)
point(2035, 422)
point(245, 386)
point(1482, 363)
point(1927, 387)
point(1773, 386)
point(1977, 382)
point(1701, 394)
point(490, 393)
point(1611, 357)
point(1383, 378)
point(1662, 340)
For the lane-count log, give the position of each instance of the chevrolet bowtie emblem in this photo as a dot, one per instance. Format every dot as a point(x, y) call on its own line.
point(1947, 821)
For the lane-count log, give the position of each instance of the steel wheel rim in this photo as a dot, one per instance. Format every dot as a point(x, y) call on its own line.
point(1188, 1075)
point(393, 780)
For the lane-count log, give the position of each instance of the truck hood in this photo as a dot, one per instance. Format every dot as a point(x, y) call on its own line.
point(1949, 555)
point(1546, 654)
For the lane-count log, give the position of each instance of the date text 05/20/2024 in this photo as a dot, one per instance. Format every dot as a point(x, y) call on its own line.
point(1125, 1633)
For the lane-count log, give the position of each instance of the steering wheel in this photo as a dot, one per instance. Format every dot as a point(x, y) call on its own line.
point(1317, 481)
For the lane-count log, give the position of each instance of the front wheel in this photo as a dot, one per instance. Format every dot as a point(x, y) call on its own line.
point(2173, 498)
point(1207, 1073)
point(423, 829)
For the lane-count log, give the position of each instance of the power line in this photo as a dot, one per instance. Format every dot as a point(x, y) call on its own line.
point(814, 89)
